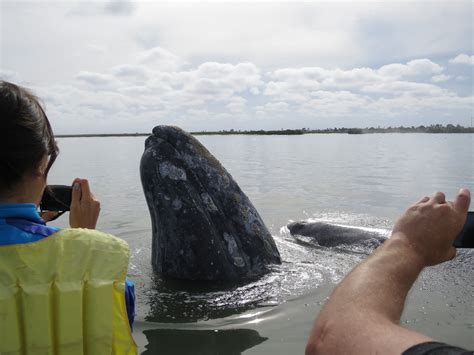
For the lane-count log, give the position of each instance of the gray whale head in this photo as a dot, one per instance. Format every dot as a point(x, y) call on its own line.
point(204, 227)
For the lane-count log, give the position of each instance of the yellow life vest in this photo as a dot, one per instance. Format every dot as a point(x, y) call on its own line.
point(65, 295)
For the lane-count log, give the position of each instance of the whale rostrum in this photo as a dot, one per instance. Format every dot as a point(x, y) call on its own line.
point(203, 226)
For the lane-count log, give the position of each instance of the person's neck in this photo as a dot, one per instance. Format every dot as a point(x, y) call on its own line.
point(25, 193)
point(16, 200)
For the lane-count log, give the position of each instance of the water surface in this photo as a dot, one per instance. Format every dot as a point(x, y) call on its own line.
point(361, 180)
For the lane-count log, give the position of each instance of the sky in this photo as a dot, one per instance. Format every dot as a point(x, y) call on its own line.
point(127, 66)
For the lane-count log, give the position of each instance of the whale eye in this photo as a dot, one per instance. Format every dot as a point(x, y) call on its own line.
point(176, 204)
point(238, 261)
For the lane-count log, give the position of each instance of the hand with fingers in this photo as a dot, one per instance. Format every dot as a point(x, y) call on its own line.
point(85, 208)
point(431, 225)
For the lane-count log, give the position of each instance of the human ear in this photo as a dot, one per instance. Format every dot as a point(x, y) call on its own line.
point(40, 169)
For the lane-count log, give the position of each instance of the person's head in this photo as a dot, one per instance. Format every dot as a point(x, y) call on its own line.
point(27, 145)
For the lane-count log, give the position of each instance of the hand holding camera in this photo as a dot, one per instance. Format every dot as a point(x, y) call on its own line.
point(433, 226)
point(79, 200)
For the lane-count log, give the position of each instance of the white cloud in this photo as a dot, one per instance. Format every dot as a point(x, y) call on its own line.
point(290, 91)
point(463, 59)
point(400, 106)
point(220, 81)
point(237, 104)
point(96, 80)
point(416, 67)
point(255, 90)
point(132, 72)
point(300, 84)
point(197, 114)
point(440, 78)
point(338, 103)
point(273, 107)
point(277, 106)
point(158, 58)
point(350, 79)
point(404, 88)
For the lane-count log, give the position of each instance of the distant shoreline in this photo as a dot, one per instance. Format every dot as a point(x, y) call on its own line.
point(101, 135)
point(289, 132)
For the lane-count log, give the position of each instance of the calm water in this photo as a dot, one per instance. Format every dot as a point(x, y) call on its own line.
point(363, 180)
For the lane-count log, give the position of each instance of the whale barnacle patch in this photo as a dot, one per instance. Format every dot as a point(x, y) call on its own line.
point(171, 171)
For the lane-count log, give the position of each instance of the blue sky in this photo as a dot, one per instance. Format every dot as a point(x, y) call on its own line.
point(126, 66)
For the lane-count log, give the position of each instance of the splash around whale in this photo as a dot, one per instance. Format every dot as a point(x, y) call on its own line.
point(203, 226)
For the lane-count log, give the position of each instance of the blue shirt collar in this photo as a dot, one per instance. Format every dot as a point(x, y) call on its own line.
point(20, 210)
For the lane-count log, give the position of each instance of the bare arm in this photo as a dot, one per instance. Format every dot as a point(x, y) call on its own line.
point(363, 313)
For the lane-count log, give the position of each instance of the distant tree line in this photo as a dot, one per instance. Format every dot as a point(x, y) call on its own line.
point(434, 128)
point(258, 132)
point(437, 128)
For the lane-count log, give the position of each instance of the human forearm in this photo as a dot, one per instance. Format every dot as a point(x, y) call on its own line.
point(380, 284)
point(367, 302)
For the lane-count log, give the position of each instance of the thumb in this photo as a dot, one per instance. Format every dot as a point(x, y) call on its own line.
point(463, 199)
point(76, 192)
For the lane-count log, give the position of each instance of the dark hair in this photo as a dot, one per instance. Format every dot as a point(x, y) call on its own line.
point(26, 136)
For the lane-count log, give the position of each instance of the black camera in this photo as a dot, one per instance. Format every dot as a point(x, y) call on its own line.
point(465, 239)
point(56, 198)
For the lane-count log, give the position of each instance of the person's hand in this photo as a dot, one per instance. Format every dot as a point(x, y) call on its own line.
point(85, 208)
point(49, 216)
point(431, 225)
